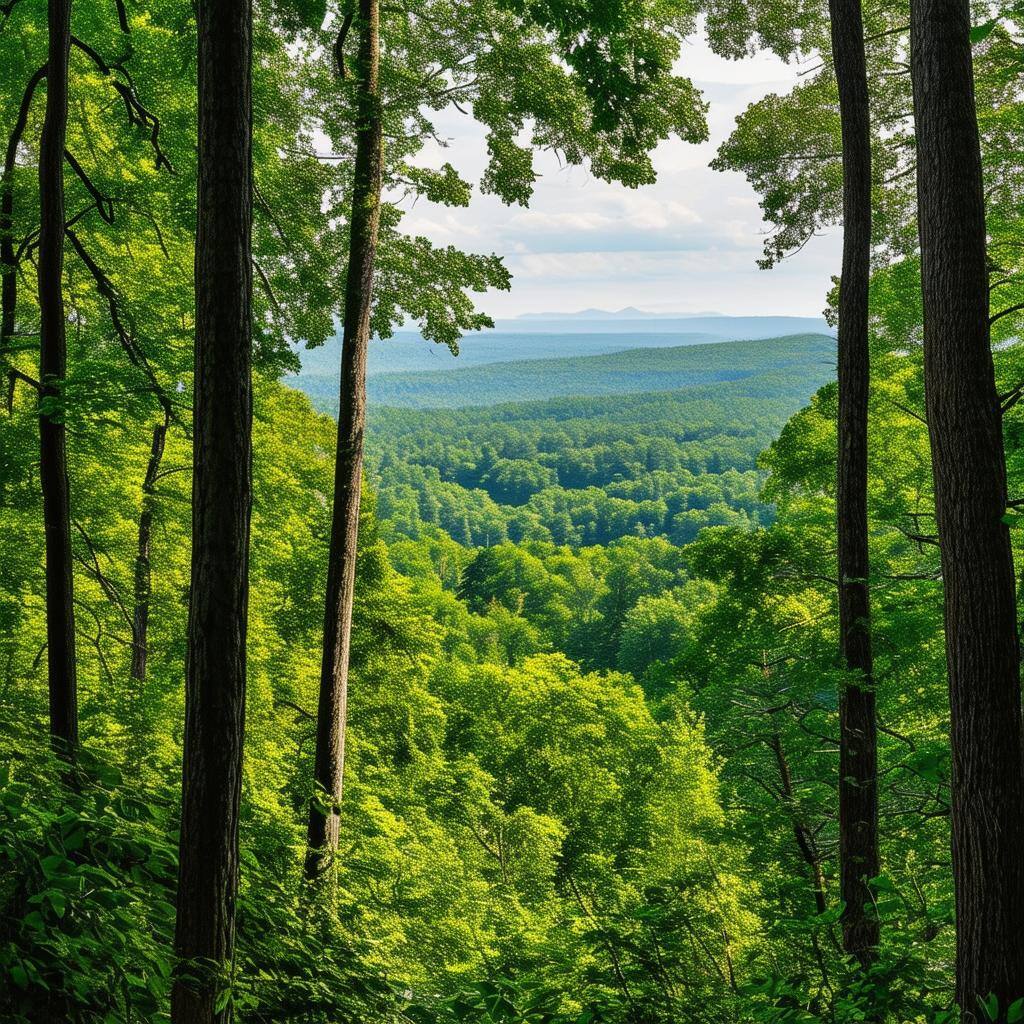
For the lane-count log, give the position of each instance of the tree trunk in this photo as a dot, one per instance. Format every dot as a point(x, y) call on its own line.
point(982, 650)
point(221, 507)
point(801, 832)
point(53, 464)
point(8, 260)
point(341, 569)
point(143, 567)
point(858, 738)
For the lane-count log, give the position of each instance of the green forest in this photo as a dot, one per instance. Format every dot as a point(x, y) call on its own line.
point(663, 684)
point(579, 471)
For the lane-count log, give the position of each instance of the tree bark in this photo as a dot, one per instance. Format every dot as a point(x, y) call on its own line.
point(858, 737)
point(221, 507)
point(53, 463)
point(143, 566)
point(341, 569)
point(965, 426)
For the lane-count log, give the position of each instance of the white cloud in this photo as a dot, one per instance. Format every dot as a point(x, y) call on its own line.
point(688, 242)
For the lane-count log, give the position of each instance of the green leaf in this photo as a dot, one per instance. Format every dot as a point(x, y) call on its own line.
point(983, 31)
point(1015, 1011)
point(990, 1006)
point(301, 14)
point(52, 863)
point(57, 900)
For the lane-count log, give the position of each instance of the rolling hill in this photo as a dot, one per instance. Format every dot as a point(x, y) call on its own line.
point(621, 372)
point(528, 338)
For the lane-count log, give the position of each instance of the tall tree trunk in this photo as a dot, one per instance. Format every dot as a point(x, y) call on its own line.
point(964, 421)
point(143, 566)
point(341, 568)
point(858, 737)
point(53, 463)
point(221, 507)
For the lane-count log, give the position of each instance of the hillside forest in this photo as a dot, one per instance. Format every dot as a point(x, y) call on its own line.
point(657, 681)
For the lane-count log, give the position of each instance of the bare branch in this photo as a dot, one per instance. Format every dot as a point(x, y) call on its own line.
point(94, 569)
point(122, 324)
point(1005, 312)
point(15, 375)
point(339, 46)
point(104, 204)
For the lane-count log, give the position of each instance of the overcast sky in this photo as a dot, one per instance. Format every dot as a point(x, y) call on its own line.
point(687, 243)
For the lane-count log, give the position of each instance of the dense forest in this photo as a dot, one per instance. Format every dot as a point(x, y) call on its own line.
point(580, 471)
point(620, 372)
point(671, 684)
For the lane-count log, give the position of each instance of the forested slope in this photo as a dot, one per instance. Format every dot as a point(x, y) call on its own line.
point(537, 338)
point(639, 369)
point(590, 470)
point(635, 732)
point(479, 755)
point(407, 350)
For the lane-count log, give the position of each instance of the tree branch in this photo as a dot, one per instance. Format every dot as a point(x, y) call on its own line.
point(138, 114)
point(13, 375)
point(1005, 312)
point(104, 204)
point(125, 331)
point(339, 46)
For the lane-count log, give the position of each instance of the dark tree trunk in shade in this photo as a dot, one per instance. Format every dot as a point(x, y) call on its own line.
point(143, 565)
point(858, 737)
point(53, 463)
point(341, 569)
point(982, 650)
point(221, 506)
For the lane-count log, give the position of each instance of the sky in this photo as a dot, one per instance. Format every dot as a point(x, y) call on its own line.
point(688, 243)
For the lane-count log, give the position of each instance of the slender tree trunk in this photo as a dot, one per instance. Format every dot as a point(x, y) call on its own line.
point(801, 833)
point(53, 463)
point(140, 611)
point(982, 649)
point(806, 844)
point(858, 737)
point(341, 569)
point(8, 261)
point(221, 507)
point(143, 566)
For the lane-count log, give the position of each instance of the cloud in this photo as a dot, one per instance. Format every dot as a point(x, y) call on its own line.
point(690, 241)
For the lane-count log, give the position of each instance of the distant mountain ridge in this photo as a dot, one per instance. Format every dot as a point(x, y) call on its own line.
point(802, 361)
point(728, 328)
point(515, 340)
point(626, 313)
